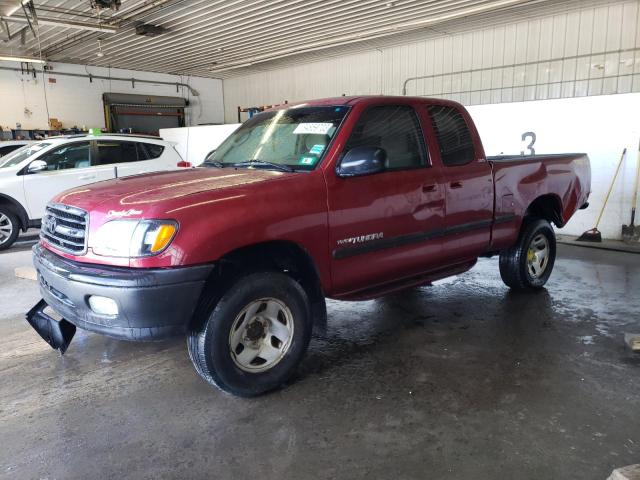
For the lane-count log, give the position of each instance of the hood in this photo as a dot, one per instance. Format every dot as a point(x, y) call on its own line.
point(150, 190)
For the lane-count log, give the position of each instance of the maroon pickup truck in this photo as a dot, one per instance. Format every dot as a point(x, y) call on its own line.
point(347, 198)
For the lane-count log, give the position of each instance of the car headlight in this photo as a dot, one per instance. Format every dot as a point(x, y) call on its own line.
point(133, 238)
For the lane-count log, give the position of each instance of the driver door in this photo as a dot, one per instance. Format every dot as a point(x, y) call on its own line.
point(68, 166)
point(385, 226)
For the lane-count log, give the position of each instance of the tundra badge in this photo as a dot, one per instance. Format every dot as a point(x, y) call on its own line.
point(361, 238)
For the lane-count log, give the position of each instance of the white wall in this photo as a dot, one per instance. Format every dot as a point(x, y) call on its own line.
point(601, 126)
point(195, 143)
point(591, 51)
point(77, 102)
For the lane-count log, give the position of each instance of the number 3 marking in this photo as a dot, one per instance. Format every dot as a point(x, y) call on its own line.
point(529, 147)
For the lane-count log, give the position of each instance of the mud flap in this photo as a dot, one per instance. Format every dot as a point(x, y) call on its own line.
point(58, 334)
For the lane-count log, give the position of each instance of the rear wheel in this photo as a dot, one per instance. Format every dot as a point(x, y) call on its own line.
point(252, 340)
point(9, 228)
point(529, 263)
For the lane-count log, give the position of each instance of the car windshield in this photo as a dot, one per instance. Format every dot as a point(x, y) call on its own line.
point(18, 156)
point(290, 140)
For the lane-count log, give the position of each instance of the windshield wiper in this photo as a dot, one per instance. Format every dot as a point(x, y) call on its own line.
point(215, 163)
point(255, 161)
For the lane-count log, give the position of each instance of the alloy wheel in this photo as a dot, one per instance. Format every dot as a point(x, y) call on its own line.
point(6, 228)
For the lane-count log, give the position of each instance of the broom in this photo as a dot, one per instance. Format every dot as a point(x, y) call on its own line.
point(594, 234)
point(631, 233)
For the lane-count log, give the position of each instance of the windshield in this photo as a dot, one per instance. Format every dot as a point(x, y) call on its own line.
point(291, 139)
point(18, 156)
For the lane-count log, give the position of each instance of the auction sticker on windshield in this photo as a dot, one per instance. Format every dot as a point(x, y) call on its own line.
point(313, 128)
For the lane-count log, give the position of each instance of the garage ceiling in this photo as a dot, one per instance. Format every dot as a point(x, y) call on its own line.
point(230, 37)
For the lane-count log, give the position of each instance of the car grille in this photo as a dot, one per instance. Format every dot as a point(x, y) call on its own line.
point(65, 228)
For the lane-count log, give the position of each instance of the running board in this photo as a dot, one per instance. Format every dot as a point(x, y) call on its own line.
point(415, 281)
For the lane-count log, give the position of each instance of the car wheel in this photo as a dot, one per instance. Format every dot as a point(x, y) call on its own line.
point(9, 228)
point(252, 340)
point(529, 263)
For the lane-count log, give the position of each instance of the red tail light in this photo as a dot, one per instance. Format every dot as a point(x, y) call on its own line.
point(184, 164)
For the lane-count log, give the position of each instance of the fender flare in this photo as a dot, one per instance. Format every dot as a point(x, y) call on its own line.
point(548, 206)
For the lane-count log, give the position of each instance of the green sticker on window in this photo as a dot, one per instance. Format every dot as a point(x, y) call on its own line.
point(307, 160)
point(317, 149)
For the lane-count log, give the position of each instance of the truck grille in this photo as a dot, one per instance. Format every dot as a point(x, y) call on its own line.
point(65, 228)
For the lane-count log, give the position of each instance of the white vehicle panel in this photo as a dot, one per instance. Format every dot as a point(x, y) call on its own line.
point(32, 191)
point(41, 187)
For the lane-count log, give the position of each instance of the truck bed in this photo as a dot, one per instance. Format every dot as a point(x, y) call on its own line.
point(561, 180)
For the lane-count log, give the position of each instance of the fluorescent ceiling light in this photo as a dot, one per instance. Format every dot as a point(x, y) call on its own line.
point(11, 58)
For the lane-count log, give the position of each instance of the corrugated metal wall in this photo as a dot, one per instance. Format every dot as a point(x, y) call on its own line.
point(590, 51)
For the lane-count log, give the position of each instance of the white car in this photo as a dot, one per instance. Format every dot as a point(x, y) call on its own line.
point(33, 174)
point(9, 146)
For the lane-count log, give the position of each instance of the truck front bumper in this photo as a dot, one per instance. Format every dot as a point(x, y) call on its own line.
point(151, 303)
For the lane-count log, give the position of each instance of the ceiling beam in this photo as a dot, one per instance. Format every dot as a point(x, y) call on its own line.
point(8, 36)
point(364, 35)
point(90, 26)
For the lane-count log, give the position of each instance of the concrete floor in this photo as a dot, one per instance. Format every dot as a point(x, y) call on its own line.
point(458, 381)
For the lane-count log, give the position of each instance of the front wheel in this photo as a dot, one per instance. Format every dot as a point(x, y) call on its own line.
point(528, 264)
point(252, 340)
point(9, 228)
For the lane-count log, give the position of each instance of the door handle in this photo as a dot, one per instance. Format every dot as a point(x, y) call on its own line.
point(429, 188)
point(455, 185)
point(86, 177)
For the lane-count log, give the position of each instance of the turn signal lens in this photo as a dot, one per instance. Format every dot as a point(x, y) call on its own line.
point(163, 237)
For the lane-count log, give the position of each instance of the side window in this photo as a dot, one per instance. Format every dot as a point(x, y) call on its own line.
point(115, 151)
point(8, 149)
point(396, 129)
point(71, 155)
point(149, 151)
point(454, 138)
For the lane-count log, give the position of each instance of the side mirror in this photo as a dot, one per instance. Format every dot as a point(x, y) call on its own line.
point(37, 166)
point(362, 161)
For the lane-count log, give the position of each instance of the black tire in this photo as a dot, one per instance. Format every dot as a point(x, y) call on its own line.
point(13, 222)
point(514, 268)
point(209, 341)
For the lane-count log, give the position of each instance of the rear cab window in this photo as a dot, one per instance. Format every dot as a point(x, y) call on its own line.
point(455, 141)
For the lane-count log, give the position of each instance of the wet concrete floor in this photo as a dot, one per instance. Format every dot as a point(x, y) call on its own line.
point(463, 380)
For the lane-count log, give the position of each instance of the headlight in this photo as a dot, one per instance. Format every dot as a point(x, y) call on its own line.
point(133, 238)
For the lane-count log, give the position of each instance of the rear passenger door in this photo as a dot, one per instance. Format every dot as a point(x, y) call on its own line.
point(129, 157)
point(384, 226)
point(468, 184)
